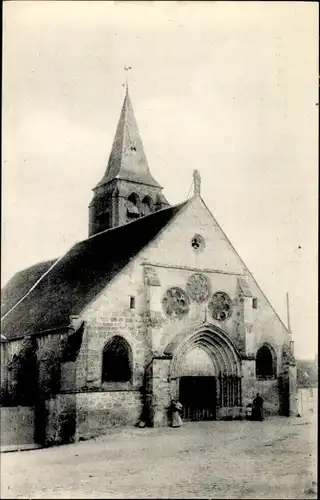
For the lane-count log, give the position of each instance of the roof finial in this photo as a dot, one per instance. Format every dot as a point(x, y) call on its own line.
point(127, 68)
point(196, 183)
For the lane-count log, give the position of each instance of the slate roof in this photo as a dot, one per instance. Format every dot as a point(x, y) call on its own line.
point(20, 283)
point(79, 275)
point(127, 159)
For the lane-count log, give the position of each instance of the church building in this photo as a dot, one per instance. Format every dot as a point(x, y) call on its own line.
point(154, 305)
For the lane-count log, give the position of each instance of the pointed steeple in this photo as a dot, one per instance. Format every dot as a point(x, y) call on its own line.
point(127, 159)
point(127, 190)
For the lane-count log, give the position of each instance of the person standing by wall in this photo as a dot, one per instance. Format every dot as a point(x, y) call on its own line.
point(257, 408)
point(176, 407)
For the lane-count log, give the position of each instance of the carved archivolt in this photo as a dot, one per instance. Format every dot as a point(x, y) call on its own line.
point(220, 306)
point(198, 287)
point(176, 302)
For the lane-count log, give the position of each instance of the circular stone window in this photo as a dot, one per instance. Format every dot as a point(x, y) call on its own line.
point(197, 242)
point(220, 306)
point(198, 287)
point(176, 302)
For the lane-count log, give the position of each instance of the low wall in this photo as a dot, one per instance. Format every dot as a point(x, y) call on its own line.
point(85, 415)
point(98, 411)
point(60, 426)
point(17, 428)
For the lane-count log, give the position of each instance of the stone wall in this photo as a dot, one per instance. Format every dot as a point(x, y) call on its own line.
point(98, 411)
point(49, 358)
point(109, 315)
point(268, 389)
point(71, 417)
point(292, 389)
point(160, 392)
point(12, 348)
point(148, 329)
point(60, 419)
point(175, 261)
point(97, 333)
point(4, 369)
point(17, 428)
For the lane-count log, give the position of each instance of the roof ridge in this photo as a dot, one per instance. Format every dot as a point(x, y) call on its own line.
point(146, 245)
point(132, 221)
point(28, 268)
point(76, 248)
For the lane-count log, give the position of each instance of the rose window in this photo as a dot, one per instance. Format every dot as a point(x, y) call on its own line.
point(220, 306)
point(198, 287)
point(176, 302)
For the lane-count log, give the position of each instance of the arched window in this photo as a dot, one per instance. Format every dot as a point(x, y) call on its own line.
point(146, 205)
point(266, 366)
point(133, 206)
point(117, 361)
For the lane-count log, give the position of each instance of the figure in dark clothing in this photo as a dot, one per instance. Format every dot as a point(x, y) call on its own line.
point(143, 420)
point(257, 408)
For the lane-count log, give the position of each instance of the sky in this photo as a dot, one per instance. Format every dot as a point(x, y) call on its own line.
point(228, 88)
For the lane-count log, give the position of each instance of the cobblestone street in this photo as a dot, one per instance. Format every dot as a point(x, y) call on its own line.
point(234, 459)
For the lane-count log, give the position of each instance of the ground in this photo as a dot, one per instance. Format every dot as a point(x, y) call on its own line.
point(235, 459)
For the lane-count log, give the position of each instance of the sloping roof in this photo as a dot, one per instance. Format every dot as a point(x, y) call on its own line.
point(127, 159)
point(20, 283)
point(76, 278)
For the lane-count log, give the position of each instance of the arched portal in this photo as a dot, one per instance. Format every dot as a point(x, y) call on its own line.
point(205, 373)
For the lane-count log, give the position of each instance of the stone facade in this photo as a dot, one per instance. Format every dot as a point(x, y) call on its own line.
point(184, 308)
point(149, 330)
point(161, 343)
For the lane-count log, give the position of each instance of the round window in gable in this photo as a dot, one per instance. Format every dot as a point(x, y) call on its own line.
point(197, 243)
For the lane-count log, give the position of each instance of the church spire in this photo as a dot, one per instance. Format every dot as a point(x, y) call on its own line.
point(127, 190)
point(127, 159)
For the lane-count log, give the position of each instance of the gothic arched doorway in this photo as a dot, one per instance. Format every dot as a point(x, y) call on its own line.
point(205, 373)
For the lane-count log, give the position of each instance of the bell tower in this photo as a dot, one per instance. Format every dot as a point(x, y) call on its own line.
point(127, 190)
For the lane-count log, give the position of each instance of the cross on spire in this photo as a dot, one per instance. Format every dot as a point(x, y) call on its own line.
point(196, 183)
point(127, 68)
